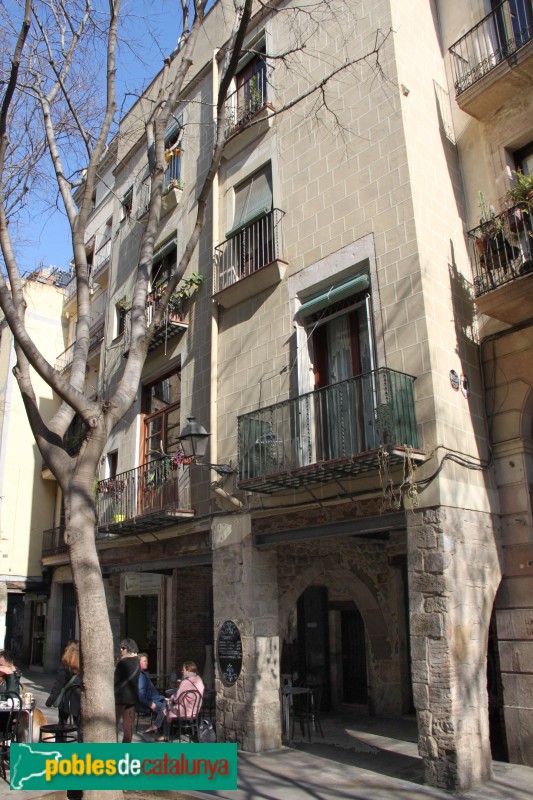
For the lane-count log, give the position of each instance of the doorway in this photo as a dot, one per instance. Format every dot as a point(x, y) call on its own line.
point(354, 676)
point(142, 625)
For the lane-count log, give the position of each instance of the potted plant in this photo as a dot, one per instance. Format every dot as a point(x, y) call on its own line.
point(522, 189)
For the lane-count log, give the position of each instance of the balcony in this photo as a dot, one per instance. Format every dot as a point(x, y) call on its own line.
point(332, 433)
point(100, 268)
point(54, 541)
point(145, 499)
point(502, 263)
point(494, 58)
point(172, 324)
point(250, 261)
point(64, 360)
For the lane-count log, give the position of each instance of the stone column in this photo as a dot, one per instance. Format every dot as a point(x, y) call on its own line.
point(454, 571)
point(245, 590)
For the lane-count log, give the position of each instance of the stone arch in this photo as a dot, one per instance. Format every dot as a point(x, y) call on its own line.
point(357, 585)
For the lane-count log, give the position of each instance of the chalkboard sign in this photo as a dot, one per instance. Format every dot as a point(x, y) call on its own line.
point(229, 652)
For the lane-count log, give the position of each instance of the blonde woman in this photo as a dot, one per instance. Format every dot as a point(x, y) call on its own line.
point(68, 671)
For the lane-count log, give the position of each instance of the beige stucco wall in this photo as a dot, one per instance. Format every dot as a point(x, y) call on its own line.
point(27, 501)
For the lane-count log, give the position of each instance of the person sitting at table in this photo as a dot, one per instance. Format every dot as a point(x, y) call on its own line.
point(189, 680)
point(149, 696)
point(9, 674)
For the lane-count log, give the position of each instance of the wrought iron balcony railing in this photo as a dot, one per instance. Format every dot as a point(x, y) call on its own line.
point(255, 246)
point(502, 248)
point(64, 360)
point(331, 432)
point(101, 259)
point(172, 323)
point(148, 497)
point(496, 37)
point(54, 540)
point(248, 100)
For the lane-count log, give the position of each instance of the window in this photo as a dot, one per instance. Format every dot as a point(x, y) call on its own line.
point(173, 137)
point(164, 263)
point(120, 316)
point(127, 203)
point(523, 159)
point(251, 87)
point(252, 234)
point(160, 406)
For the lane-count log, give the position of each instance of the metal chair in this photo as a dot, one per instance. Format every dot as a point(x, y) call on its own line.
point(306, 711)
point(10, 706)
point(143, 713)
point(208, 709)
point(67, 729)
point(186, 722)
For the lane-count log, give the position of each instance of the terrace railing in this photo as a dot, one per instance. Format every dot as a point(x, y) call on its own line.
point(250, 97)
point(502, 248)
point(496, 37)
point(330, 425)
point(253, 247)
point(149, 489)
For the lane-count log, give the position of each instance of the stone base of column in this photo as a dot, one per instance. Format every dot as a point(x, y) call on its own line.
point(454, 571)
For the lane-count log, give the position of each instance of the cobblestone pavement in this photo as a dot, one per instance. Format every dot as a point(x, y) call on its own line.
point(370, 760)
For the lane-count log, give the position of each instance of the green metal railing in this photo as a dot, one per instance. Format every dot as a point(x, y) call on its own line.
point(338, 422)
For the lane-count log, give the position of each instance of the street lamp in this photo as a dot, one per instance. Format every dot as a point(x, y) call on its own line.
point(193, 439)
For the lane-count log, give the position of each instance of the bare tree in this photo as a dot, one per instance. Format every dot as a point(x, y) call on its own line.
point(44, 73)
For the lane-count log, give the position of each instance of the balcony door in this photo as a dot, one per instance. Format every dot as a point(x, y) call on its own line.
point(343, 407)
point(161, 415)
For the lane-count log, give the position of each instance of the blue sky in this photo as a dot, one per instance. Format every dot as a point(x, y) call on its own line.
point(151, 31)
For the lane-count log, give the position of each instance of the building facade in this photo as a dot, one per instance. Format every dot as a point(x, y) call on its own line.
point(24, 587)
point(363, 515)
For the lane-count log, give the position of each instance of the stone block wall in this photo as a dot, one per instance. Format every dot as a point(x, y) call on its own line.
point(454, 571)
point(245, 591)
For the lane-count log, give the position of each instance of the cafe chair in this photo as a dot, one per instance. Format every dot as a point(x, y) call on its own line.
point(143, 714)
point(208, 709)
point(67, 729)
point(10, 705)
point(306, 712)
point(186, 722)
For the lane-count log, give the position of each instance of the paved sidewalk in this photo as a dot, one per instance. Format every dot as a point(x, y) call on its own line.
point(364, 764)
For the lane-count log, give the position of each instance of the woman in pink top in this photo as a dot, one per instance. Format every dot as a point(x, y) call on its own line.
point(181, 704)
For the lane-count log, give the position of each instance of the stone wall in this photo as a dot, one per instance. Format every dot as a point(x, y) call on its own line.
point(454, 571)
point(245, 591)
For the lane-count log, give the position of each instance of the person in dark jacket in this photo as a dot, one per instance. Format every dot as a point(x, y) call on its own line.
point(127, 687)
point(149, 697)
point(9, 674)
point(68, 673)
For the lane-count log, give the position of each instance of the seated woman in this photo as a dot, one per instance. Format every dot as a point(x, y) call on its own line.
point(149, 697)
point(184, 708)
point(9, 674)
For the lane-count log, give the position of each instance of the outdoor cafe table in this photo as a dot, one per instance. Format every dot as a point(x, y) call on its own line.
point(287, 693)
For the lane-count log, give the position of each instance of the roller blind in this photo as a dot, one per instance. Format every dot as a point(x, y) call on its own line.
point(334, 293)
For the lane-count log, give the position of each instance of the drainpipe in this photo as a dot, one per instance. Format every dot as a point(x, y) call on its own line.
point(213, 408)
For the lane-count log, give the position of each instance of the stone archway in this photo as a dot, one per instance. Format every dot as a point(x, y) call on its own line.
point(384, 673)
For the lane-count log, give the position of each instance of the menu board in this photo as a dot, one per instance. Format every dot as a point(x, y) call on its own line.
point(229, 652)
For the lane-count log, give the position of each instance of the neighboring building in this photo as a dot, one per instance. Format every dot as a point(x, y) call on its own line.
point(23, 586)
point(355, 514)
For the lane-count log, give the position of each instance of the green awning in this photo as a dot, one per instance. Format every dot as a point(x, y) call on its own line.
point(252, 201)
point(164, 250)
point(336, 292)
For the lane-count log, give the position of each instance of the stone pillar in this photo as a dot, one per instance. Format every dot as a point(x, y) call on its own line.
point(245, 590)
point(454, 571)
